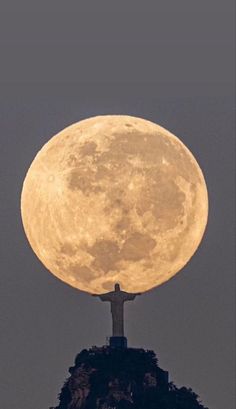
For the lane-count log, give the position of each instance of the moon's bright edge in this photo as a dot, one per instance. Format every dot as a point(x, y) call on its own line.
point(113, 199)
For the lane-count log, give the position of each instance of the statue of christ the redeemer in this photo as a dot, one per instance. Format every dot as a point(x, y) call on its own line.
point(117, 299)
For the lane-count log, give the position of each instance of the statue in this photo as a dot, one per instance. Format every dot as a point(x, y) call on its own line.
point(117, 298)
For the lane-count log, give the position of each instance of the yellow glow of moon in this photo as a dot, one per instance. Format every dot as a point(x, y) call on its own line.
point(113, 199)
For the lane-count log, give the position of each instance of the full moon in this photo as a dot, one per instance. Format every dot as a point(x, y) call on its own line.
point(114, 198)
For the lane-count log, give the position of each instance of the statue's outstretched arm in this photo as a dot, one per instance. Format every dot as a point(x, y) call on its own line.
point(131, 296)
point(103, 297)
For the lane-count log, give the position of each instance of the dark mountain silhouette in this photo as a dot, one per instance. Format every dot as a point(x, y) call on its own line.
point(116, 378)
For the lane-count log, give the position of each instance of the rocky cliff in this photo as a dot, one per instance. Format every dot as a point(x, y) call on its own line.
point(110, 378)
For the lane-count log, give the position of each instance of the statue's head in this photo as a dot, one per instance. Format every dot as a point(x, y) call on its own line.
point(117, 287)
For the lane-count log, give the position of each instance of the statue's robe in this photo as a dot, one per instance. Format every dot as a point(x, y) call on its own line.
point(117, 300)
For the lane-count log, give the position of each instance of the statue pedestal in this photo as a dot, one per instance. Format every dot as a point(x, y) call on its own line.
point(118, 342)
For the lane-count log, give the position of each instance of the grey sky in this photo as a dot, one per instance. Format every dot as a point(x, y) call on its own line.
point(167, 63)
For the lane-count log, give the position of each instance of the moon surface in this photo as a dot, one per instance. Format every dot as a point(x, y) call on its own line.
point(114, 198)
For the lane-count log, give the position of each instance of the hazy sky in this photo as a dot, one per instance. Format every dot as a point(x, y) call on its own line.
point(172, 63)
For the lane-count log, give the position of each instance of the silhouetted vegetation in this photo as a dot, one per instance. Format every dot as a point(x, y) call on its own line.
point(107, 378)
